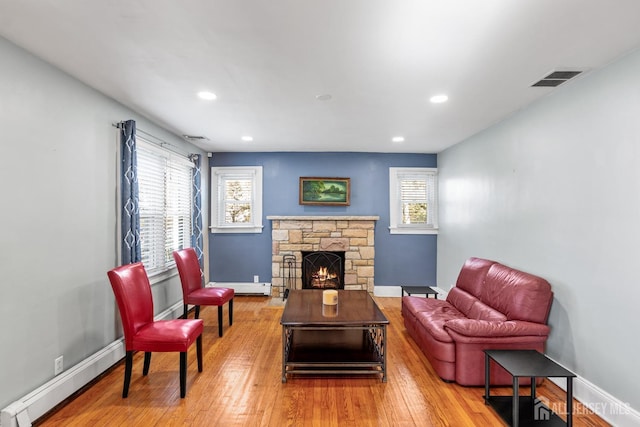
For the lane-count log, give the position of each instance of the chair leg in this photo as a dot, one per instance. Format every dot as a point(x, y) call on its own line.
point(184, 314)
point(231, 312)
point(199, 352)
point(128, 365)
point(183, 374)
point(147, 362)
point(197, 312)
point(219, 320)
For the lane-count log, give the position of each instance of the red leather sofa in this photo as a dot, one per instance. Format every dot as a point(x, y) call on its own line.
point(492, 306)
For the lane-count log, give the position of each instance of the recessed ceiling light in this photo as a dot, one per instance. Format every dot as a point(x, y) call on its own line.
point(438, 99)
point(247, 138)
point(398, 139)
point(209, 96)
point(323, 97)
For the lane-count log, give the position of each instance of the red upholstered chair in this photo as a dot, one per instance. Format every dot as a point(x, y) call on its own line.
point(141, 333)
point(194, 293)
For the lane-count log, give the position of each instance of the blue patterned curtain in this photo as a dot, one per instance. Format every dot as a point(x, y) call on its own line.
point(130, 215)
point(196, 219)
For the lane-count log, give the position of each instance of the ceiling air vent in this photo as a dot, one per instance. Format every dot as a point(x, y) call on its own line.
point(556, 78)
point(195, 138)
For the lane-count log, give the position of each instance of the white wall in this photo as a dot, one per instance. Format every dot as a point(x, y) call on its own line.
point(58, 180)
point(555, 191)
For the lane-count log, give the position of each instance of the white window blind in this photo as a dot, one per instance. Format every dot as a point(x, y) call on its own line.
point(237, 195)
point(413, 200)
point(165, 195)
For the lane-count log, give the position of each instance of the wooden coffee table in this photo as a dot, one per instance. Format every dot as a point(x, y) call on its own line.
point(347, 339)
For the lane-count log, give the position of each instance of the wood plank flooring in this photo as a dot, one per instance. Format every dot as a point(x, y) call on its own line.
point(241, 385)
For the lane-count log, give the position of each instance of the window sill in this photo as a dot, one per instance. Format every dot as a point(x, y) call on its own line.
point(256, 229)
point(408, 230)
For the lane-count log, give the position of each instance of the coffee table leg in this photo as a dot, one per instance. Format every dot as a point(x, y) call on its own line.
point(384, 353)
point(515, 410)
point(284, 354)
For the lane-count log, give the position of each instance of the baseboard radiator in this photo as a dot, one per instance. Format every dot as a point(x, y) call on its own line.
point(244, 288)
point(34, 405)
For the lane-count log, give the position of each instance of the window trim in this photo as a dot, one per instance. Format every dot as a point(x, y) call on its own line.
point(395, 226)
point(255, 174)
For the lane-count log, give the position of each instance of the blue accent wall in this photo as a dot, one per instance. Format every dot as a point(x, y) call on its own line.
point(400, 259)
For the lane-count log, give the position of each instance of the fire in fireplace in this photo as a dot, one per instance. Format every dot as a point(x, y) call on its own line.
point(322, 270)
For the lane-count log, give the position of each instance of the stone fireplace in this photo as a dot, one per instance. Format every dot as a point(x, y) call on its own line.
point(351, 237)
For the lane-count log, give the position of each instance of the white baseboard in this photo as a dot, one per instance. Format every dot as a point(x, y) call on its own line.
point(598, 401)
point(22, 412)
point(244, 287)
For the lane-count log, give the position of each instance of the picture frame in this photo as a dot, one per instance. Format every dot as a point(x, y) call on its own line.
point(325, 191)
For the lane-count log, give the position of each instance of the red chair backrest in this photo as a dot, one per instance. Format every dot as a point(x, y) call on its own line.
point(132, 289)
point(189, 270)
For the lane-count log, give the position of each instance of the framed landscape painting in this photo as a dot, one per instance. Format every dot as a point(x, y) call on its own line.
point(325, 191)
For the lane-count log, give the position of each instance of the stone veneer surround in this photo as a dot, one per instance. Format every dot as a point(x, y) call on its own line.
point(290, 235)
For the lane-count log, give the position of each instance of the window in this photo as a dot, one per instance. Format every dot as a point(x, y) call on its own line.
point(165, 195)
point(413, 199)
point(236, 199)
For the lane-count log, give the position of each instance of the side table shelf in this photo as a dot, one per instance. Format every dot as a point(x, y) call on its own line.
point(532, 412)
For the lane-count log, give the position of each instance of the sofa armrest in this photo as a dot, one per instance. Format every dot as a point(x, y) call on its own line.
point(492, 328)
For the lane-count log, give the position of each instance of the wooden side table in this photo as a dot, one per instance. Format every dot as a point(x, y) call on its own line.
point(526, 410)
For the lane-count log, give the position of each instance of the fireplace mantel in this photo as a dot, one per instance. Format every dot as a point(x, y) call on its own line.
point(323, 218)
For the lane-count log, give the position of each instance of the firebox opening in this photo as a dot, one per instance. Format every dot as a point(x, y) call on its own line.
point(322, 270)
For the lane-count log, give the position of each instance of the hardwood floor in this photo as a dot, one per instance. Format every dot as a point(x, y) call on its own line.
point(241, 385)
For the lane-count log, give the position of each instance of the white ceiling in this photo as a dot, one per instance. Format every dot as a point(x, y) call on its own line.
point(267, 60)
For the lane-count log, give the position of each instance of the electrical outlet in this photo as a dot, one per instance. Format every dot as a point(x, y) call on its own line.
point(256, 279)
point(57, 366)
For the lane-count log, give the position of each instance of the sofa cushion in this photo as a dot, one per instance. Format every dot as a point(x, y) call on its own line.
point(432, 314)
point(472, 307)
point(434, 321)
point(419, 304)
point(481, 311)
point(462, 300)
point(493, 329)
point(472, 275)
point(519, 295)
